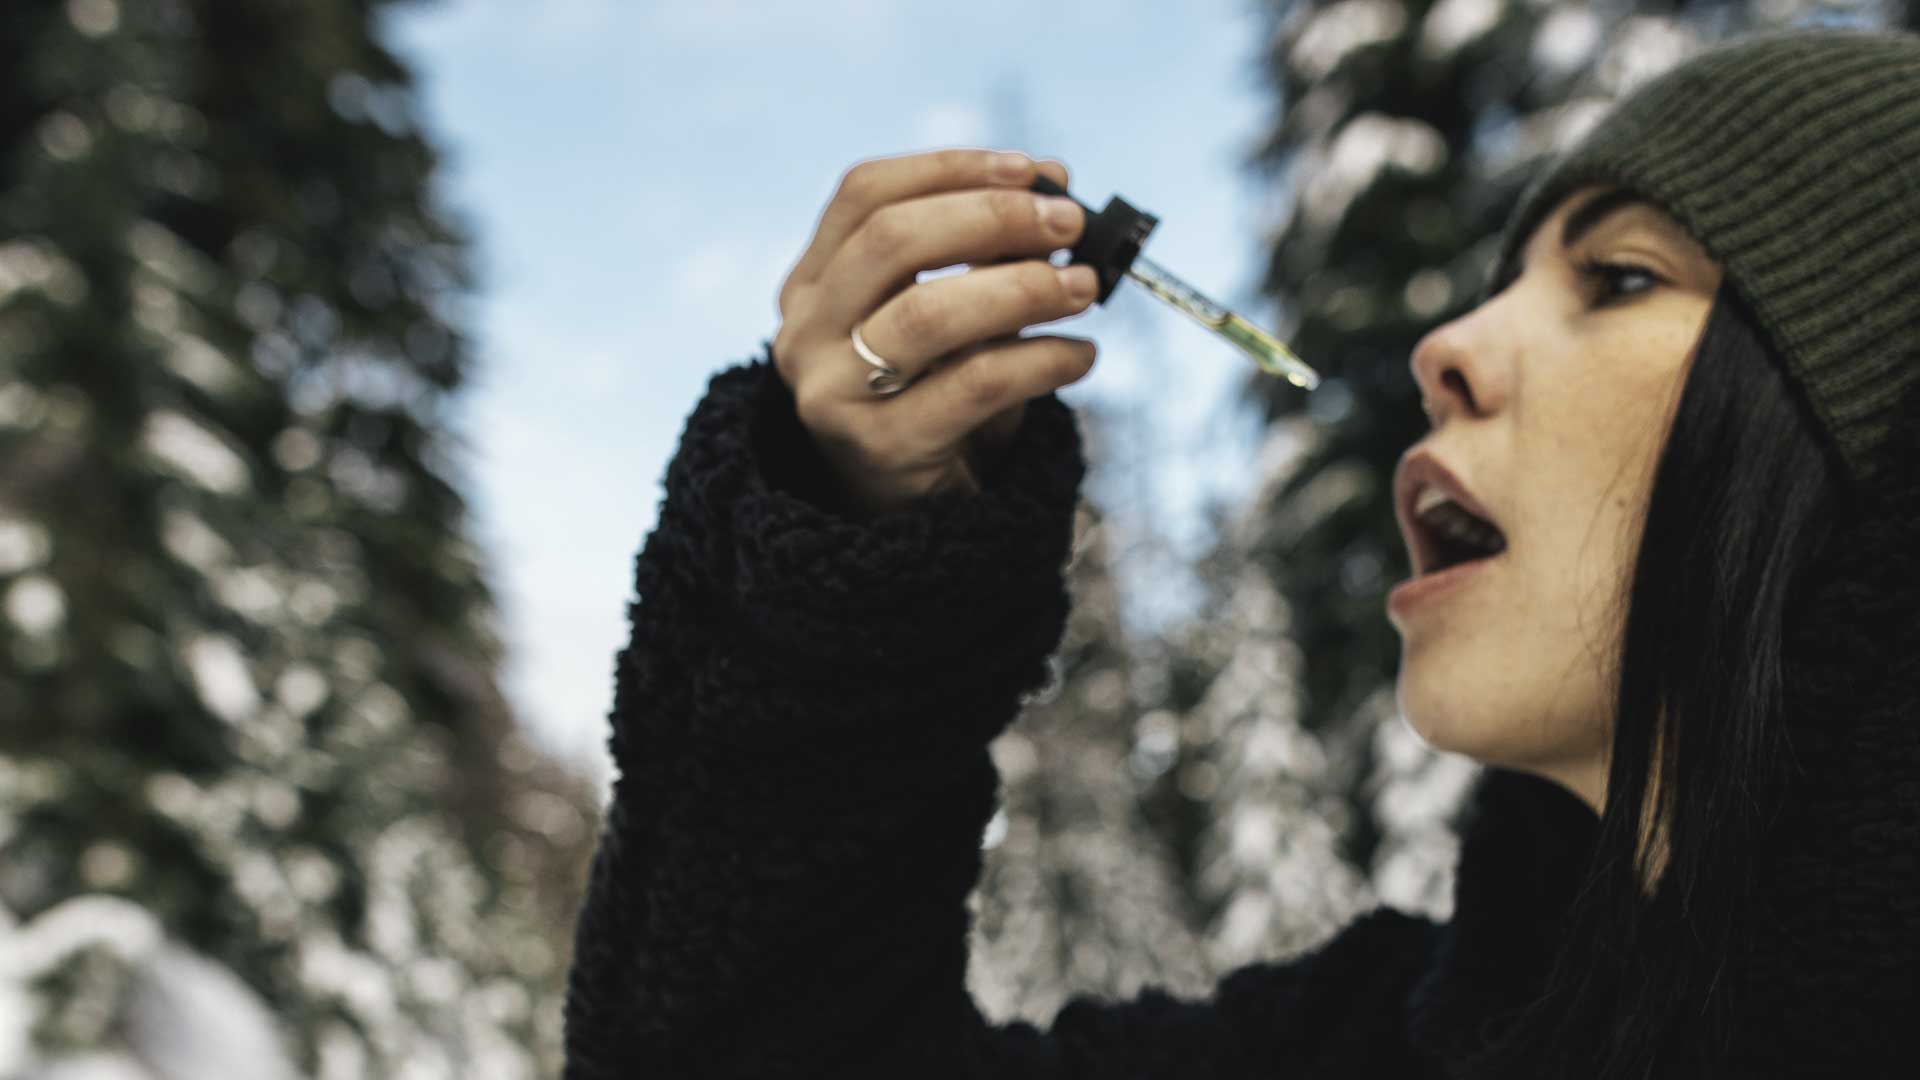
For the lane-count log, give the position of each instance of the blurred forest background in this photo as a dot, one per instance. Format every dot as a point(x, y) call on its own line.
point(264, 809)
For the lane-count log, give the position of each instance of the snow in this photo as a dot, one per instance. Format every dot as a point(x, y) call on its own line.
point(195, 453)
point(190, 1019)
point(198, 362)
point(220, 675)
point(1642, 47)
point(1333, 32)
point(1451, 24)
point(181, 1016)
point(94, 18)
point(36, 604)
point(250, 592)
point(300, 689)
point(1365, 145)
point(29, 264)
point(1567, 37)
point(23, 544)
point(190, 539)
point(93, 1067)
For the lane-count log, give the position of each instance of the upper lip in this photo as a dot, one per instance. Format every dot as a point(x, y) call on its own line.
point(1418, 468)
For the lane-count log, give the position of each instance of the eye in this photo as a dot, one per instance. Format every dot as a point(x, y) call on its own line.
point(1612, 274)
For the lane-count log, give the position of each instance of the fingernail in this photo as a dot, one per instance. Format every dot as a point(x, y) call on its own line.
point(1080, 282)
point(1009, 166)
point(1058, 213)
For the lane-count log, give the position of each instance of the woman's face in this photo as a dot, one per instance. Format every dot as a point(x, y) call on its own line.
point(1550, 403)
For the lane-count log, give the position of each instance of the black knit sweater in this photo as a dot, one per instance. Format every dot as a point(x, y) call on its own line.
point(801, 724)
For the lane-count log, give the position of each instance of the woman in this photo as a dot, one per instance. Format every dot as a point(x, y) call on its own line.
point(1689, 407)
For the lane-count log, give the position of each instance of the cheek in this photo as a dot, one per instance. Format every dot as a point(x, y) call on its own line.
point(1519, 677)
point(1521, 674)
point(1576, 542)
point(1576, 577)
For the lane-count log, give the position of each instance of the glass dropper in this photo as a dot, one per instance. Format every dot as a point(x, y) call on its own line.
point(1265, 350)
point(1111, 242)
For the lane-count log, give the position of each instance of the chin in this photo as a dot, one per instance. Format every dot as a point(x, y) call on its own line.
point(1453, 720)
point(1431, 715)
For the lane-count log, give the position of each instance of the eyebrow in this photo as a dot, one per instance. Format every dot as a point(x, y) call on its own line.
point(1583, 221)
point(1598, 209)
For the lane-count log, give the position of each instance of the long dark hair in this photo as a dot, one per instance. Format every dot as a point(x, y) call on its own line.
point(1741, 506)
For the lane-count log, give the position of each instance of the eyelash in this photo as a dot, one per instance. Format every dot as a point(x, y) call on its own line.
point(1595, 269)
point(1613, 272)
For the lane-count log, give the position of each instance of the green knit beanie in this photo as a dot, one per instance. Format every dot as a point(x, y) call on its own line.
point(1793, 158)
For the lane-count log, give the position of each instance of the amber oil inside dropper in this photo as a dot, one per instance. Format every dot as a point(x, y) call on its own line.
point(1262, 348)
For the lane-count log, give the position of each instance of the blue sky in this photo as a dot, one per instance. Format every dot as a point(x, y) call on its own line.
point(640, 177)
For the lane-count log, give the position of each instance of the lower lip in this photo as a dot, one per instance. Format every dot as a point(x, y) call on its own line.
point(1417, 591)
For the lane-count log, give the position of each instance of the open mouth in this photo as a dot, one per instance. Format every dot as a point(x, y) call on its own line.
point(1449, 535)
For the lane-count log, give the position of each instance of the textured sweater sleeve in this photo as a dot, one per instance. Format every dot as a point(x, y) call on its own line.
point(801, 722)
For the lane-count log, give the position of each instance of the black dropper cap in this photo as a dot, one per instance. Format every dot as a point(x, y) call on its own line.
point(1112, 238)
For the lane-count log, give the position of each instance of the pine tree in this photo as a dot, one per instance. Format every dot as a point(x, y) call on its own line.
point(247, 653)
point(1078, 894)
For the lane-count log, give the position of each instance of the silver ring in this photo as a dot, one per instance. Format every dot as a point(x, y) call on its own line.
point(884, 379)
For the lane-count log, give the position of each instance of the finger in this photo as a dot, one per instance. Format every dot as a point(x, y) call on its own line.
point(1057, 170)
point(962, 395)
point(902, 239)
point(914, 329)
point(874, 183)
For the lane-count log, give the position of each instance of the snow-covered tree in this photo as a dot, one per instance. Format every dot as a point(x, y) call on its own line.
point(1079, 892)
point(253, 740)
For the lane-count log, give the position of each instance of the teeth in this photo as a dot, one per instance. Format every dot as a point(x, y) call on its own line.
point(1451, 523)
point(1429, 498)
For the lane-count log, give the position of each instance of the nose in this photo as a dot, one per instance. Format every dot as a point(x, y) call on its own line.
point(1454, 371)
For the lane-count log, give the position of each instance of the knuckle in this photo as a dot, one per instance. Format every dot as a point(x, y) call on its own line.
point(1039, 286)
point(982, 385)
point(856, 184)
point(958, 159)
point(814, 406)
point(789, 298)
point(1011, 208)
point(881, 437)
point(883, 232)
point(917, 316)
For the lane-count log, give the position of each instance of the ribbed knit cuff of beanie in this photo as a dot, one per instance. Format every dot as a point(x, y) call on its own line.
point(1793, 157)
